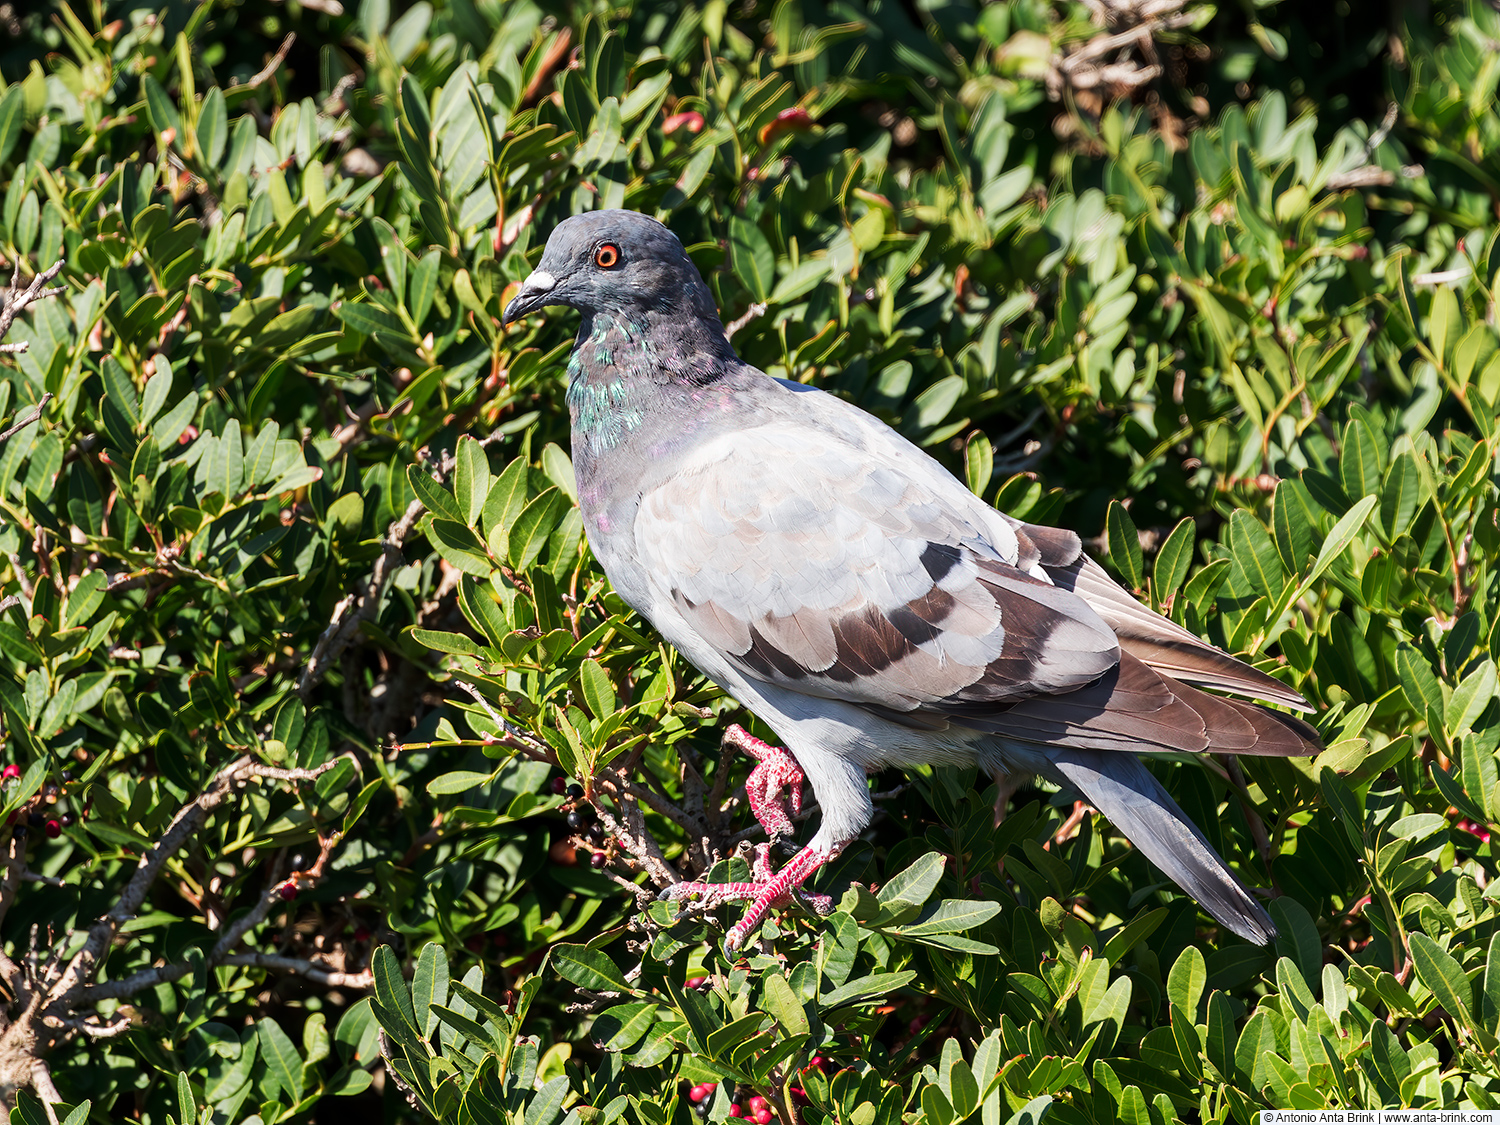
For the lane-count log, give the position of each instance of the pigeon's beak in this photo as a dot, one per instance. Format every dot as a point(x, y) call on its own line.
point(533, 295)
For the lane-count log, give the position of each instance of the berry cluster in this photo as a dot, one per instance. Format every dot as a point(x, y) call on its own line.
point(745, 1106)
point(39, 812)
point(582, 820)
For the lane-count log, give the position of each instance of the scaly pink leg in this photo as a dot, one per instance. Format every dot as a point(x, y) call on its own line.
point(775, 768)
point(766, 892)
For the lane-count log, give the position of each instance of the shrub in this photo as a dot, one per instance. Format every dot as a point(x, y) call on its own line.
point(300, 627)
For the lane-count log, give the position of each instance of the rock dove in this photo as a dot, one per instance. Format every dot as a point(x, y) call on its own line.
point(847, 589)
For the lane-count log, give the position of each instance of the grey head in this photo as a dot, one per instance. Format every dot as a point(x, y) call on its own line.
point(619, 263)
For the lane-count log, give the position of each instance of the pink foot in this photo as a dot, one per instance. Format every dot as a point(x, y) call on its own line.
point(767, 892)
point(775, 768)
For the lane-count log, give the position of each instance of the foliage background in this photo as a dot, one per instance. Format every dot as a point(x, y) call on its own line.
point(1231, 266)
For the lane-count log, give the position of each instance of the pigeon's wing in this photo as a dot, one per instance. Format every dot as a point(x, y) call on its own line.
point(810, 563)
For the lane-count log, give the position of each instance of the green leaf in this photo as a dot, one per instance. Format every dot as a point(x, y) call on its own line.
point(1339, 538)
point(213, 126)
point(1173, 561)
point(1293, 520)
point(459, 781)
point(588, 968)
point(1359, 462)
point(471, 479)
point(950, 916)
point(429, 986)
point(1125, 545)
point(1256, 554)
point(1400, 496)
point(159, 106)
point(528, 535)
point(751, 257)
point(1443, 976)
point(437, 499)
point(784, 1006)
point(392, 994)
point(1418, 681)
point(1186, 981)
point(865, 988)
point(598, 691)
point(12, 118)
point(914, 886)
point(979, 462)
point(1470, 698)
point(454, 643)
point(85, 599)
point(282, 1058)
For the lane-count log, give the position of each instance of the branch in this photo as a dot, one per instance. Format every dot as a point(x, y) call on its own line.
point(17, 298)
point(265, 72)
point(355, 608)
point(72, 984)
point(318, 974)
point(22, 423)
point(755, 310)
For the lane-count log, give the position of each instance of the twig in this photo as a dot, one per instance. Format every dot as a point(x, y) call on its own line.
point(756, 310)
point(83, 1026)
point(271, 66)
point(46, 1089)
point(73, 980)
point(318, 974)
point(36, 412)
point(519, 738)
point(355, 608)
point(17, 298)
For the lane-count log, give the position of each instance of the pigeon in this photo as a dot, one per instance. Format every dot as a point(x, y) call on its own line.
point(851, 592)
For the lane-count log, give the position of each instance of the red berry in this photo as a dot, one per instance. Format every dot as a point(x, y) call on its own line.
point(736, 1111)
point(756, 1104)
point(287, 891)
point(598, 861)
point(559, 785)
point(10, 771)
point(694, 982)
point(696, 1094)
point(799, 1095)
point(361, 934)
point(54, 830)
point(763, 1117)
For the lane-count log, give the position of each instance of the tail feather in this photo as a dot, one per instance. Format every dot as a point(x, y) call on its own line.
point(1121, 788)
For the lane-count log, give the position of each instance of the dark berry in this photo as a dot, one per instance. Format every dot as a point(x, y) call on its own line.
point(576, 819)
point(50, 791)
point(19, 832)
point(35, 819)
point(54, 830)
point(575, 791)
point(559, 785)
point(598, 860)
point(596, 832)
point(287, 891)
point(298, 862)
point(67, 775)
point(68, 820)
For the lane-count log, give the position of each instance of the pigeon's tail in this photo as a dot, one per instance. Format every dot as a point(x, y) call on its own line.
point(1121, 788)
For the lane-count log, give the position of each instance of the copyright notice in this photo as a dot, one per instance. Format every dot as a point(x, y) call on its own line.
point(1379, 1117)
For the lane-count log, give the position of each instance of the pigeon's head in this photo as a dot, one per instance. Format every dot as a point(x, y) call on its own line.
point(614, 262)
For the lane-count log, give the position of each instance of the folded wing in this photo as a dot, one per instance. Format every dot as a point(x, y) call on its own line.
point(813, 565)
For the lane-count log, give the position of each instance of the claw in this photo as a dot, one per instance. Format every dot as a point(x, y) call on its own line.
point(775, 768)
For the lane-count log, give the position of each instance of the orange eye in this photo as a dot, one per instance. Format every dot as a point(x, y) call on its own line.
point(607, 257)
